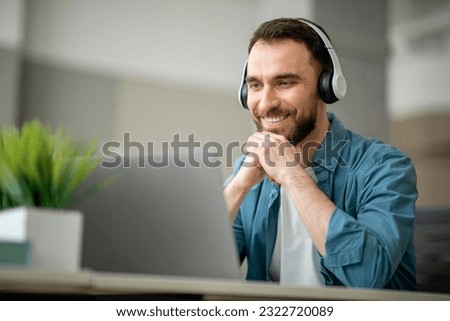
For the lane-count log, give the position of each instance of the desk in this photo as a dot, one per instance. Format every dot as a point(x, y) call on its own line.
point(89, 284)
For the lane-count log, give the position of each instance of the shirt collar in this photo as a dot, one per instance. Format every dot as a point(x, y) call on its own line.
point(328, 156)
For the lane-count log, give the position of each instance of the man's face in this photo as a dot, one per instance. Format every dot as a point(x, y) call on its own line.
point(282, 88)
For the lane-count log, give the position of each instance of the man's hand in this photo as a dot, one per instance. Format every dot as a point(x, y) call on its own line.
point(250, 174)
point(277, 156)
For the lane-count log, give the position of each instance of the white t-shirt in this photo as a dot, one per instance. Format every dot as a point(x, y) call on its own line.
point(295, 259)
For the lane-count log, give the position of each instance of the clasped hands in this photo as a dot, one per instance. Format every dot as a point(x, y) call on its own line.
point(272, 155)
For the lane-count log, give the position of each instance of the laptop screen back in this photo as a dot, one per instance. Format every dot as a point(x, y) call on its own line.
point(167, 220)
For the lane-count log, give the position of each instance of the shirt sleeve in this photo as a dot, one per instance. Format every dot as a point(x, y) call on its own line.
point(365, 251)
point(239, 235)
point(238, 227)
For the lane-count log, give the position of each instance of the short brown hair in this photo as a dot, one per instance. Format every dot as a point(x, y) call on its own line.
point(295, 29)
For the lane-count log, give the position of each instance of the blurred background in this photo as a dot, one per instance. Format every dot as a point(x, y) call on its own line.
point(158, 68)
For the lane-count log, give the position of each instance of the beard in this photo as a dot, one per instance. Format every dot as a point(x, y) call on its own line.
point(302, 128)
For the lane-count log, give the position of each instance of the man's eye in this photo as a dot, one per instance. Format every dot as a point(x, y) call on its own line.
point(254, 86)
point(286, 83)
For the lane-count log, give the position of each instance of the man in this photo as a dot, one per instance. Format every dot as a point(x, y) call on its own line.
point(313, 203)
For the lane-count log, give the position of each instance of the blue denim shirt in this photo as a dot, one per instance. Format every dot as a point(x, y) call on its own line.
point(369, 240)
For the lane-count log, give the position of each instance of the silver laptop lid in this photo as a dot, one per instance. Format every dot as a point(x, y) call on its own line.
point(164, 219)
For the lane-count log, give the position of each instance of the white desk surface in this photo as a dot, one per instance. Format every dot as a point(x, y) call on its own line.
point(88, 283)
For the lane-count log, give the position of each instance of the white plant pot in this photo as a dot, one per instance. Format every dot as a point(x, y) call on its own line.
point(55, 235)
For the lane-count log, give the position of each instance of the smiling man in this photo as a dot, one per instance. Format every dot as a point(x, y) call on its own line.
point(313, 203)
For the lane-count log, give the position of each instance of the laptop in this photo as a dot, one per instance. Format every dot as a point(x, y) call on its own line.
point(165, 220)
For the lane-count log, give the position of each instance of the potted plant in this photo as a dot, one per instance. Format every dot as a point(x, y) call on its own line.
point(40, 172)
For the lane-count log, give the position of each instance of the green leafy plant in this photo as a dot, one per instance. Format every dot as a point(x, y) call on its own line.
point(42, 168)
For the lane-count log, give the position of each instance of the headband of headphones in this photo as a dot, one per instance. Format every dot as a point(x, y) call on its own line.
point(332, 84)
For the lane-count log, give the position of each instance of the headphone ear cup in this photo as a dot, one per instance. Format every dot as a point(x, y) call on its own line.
point(326, 91)
point(243, 95)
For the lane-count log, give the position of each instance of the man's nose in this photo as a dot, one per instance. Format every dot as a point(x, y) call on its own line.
point(268, 99)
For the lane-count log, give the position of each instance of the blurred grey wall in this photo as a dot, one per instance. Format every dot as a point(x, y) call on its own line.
point(158, 68)
point(11, 40)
